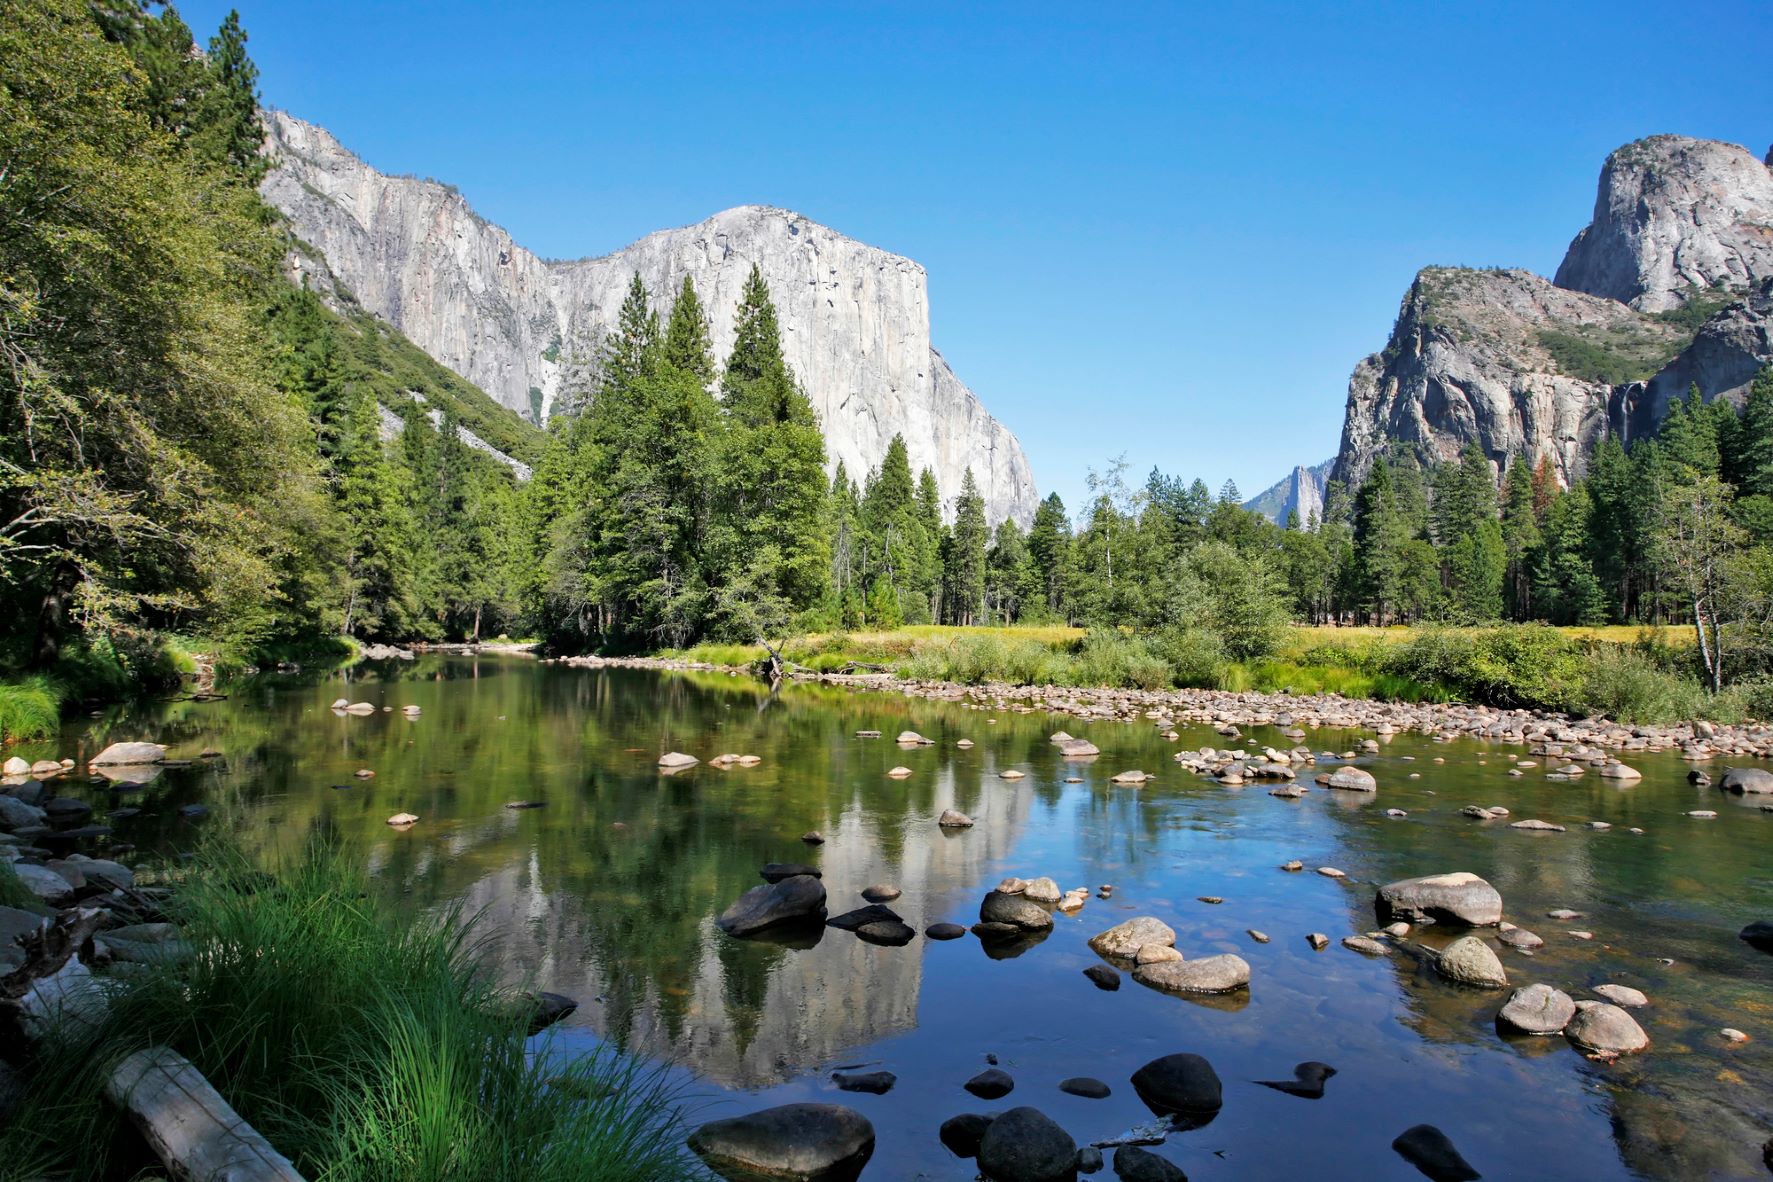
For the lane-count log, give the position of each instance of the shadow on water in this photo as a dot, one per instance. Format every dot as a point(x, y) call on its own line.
point(608, 895)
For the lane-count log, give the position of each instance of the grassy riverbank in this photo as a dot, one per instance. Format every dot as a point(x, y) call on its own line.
point(364, 1044)
point(1637, 675)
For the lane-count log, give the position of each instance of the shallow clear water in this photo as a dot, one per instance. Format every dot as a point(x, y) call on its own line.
point(608, 894)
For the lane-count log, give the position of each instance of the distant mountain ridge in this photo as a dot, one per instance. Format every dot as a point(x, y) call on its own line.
point(1670, 285)
point(855, 319)
point(1301, 491)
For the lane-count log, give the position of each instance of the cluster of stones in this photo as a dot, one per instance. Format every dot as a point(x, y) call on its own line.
point(831, 1143)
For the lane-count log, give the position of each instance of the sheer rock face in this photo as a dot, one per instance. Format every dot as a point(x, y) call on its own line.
point(1468, 359)
point(1674, 214)
point(1301, 493)
point(1731, 348)
point(855, 319)
point(1528, 368)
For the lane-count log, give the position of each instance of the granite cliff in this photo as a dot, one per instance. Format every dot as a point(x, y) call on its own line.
point(1670, 286)
point(855, 319)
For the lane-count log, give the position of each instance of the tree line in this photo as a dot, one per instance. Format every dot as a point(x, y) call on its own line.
point(191, 445)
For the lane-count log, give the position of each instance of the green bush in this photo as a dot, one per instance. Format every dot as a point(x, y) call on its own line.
point(1197, 656)
point(1532, 665)
point(1631, 686)
point(363, 1042)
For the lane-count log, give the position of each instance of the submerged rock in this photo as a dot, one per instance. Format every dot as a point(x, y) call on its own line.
point(1183, 1085)
point(1603, 1029)
point(1103, 977)
point(1470, 961)
point(797, 899)
point(1432, 1152)
point(1014, 911)
point(1537, 1009)
point(962, 1134)
point(1459, 898)
point(676, 761)
point(1083, 1085)
point(1026, 1145)
point(993, 1083)
point(954, 819)
point(875, 1083)
point(1123, 940)
point(1747, 780)
point(777, 871)
point(1307, 1082)
point(1212, 974)
point(805, 1142)
point(1133, 1164)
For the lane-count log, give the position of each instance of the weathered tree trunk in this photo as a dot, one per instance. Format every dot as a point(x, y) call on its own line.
point(194, 1131)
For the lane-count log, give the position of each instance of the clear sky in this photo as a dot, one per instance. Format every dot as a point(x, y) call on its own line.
point(1166, 230)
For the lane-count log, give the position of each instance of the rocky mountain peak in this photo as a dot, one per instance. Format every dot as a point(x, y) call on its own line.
point(855, 319)
point(1674, 217)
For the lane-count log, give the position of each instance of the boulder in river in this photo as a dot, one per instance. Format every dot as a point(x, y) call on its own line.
point(1026, 1145)
point(1459, 898)
point(954, 819)
point(875, 1083)
point(800, 899)
point(1432, 1152)
point(792, 1141)
point(1103, 977)
point(674, 761)
point(16, 767)
point(1041, 890)
point(16, 814)
point(1123, 940)
point(861, 917)
point(1307, 1082)
point(1078, 749)
point(1758, 935)
point(1210, 974)
point(1605, 1030)
point(1536, 1009)
point(993, 1083)
point(944, 931)
point(1183, 1085)
point(1470, 961)
point(1133, 1164)
point(129, 754)
point(777, 871)
point(1014, 911)
point(962, 1134)
point(1747, 780)
point(1352, 779)
point(881, 892)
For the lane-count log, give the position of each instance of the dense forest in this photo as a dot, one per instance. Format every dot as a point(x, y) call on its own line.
point(198, 456)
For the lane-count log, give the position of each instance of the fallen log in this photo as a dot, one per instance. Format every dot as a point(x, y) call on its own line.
point(194, 1131)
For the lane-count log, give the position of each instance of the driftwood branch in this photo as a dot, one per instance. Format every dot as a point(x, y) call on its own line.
point(196, 1133)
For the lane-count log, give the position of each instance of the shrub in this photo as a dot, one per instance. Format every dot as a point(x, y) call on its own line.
point(1628, 685)
point(1196, 655)
point(1510, 666)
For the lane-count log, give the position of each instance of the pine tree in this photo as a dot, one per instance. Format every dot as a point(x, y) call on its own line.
point(773, 466)
point(1380, 535)
point(927, 589)
point(230, 130)
point(967, 555)
point(893, 532)
point(1010, 578)
point(687, 344)
point(1049, 550)
point(1520, 538)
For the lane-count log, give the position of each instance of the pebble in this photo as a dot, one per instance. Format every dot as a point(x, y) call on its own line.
point(1318, 941)
point(1292, 866)
point(1259, 937)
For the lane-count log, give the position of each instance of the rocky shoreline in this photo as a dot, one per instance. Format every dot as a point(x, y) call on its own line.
point(1229, 712)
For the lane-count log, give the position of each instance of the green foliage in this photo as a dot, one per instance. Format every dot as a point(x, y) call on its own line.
point(29, 709)
point(363, 1044)
point(1527, 665)
point(1625, 684)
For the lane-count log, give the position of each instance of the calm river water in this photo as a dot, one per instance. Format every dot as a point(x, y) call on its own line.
point(608, 894)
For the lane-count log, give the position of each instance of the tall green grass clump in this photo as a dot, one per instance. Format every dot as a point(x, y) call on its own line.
point(364, 1046)
point(29, 709)
point(1627, 685)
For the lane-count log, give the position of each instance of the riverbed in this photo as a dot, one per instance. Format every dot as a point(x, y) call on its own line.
point(608, 892)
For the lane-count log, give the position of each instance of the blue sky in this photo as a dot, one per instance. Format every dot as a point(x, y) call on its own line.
point(1170, 231)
